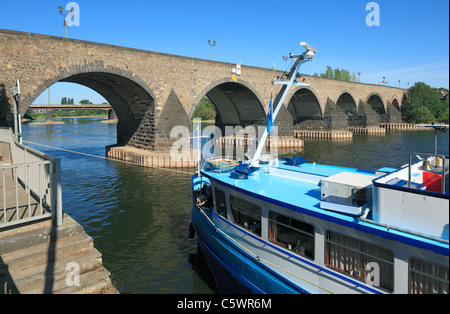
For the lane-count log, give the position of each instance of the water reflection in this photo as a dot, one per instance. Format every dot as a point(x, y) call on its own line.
point(372, 152)
point(138, 216)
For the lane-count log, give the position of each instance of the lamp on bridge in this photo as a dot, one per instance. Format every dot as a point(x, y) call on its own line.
point(285, 59)
point(212, 47)
point(65, 24)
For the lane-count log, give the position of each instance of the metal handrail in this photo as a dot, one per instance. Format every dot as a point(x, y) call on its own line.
point(35, 174)
point(428, 155)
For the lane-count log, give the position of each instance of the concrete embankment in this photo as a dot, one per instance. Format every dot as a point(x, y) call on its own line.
point(165, 160)
point(325, 135)
point(40, 258)
point(149, 158)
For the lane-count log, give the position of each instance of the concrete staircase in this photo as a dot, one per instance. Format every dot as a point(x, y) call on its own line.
point(40, 258)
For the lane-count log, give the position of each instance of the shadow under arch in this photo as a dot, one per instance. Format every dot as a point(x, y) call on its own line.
point(236, 103)
point(346, 101)
point(130, 97)
point(396, 103)
point(304, 106)
point(376, 102)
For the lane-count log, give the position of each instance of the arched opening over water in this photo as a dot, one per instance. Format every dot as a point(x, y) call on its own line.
point(304, 108)
point(396, 103)
point(377, 104)
point(347, 103)
point(130, 98)
point(236, 104)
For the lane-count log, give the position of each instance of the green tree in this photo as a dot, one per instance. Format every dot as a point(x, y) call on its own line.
point(205, 110)
point(337, 74)
point(329, 73)
point(64, 101)
point(424, 104)
point(346, 75)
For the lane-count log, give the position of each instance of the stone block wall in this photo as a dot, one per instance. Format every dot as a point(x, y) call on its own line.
point(152, 92)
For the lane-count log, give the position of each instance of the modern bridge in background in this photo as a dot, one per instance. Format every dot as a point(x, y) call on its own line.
point(71, 107)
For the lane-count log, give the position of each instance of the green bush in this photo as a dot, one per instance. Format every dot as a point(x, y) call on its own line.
point(205, 110)
point(425, 104)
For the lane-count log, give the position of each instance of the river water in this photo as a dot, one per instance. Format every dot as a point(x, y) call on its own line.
point(139, 217)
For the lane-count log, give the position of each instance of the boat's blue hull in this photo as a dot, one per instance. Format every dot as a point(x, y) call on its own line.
point(226, 282)
point(233, 270)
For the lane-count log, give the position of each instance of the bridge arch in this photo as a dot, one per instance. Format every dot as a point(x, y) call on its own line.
point(129, 96)
point(396, 103)
point(236, 103)
point(376, 102)
point(304, 105)
point(347, 103)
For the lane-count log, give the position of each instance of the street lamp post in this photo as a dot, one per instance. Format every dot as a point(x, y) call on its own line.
point(212, 48)
point(65, 17)
point(285, 59)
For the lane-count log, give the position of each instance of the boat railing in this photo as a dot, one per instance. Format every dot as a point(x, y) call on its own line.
point(440, 168)
point(30, 186)
point(413, 198)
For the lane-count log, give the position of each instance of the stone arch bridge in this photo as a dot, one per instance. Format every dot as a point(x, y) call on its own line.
point(153, 92)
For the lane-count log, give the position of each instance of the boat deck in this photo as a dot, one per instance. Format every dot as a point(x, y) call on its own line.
point(298, 188)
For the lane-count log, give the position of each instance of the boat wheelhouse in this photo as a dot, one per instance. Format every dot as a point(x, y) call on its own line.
point(289, 226)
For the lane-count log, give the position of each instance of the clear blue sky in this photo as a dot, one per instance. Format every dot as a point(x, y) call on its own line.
point(411, 44)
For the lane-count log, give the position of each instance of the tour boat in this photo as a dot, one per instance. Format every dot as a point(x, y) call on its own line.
point(279, 226)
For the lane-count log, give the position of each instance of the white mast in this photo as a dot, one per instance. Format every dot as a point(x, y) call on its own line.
point(287, 83)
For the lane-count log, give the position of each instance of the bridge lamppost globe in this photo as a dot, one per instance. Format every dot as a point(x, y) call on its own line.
point(65, 17)
point(212, 48)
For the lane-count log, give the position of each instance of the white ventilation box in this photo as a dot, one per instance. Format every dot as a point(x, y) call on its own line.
point(347, 192)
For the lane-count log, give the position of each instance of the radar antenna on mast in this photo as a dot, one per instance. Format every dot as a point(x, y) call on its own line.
point(310, 51)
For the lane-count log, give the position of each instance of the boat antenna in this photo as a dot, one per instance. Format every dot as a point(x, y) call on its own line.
point(298, 60)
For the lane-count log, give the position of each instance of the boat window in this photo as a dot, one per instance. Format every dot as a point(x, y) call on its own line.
point(292, 234)
point(427, 278)
point(246, 214)
point(221, 202)
point(363, 260)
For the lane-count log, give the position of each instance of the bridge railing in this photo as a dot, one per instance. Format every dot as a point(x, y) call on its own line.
point(30, 184)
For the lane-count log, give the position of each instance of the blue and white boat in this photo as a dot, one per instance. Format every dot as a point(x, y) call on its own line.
point(288, 226)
